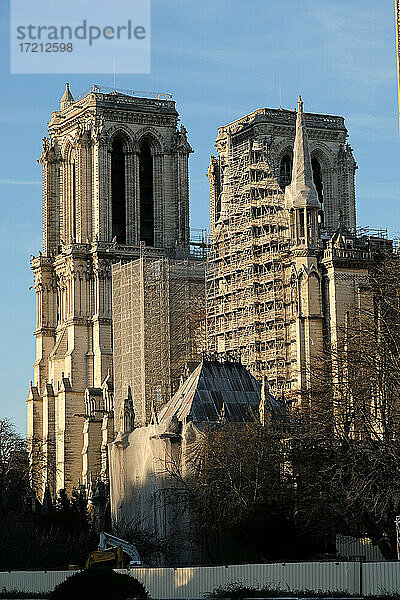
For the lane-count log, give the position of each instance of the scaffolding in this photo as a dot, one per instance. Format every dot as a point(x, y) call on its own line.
point(246, 264)
point(157, 320)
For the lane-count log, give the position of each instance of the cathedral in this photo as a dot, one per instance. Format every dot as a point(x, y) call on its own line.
point(284, 265)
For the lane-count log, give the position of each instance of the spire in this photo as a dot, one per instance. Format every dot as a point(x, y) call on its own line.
point(67, 98)
point(301, 193)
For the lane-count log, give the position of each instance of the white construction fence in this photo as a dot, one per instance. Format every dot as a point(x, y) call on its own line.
point(363, 579)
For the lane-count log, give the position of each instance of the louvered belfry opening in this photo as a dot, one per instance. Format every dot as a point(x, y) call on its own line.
point(146, 195)
point(118, 192)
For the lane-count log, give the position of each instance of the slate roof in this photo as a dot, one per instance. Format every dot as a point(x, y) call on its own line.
point(211, 385)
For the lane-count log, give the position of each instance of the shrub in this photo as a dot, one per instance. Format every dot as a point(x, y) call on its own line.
point(238, 590)
point(9, 595)
point(101, 584)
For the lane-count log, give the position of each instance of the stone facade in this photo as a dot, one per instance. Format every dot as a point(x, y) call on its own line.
point(115, 187)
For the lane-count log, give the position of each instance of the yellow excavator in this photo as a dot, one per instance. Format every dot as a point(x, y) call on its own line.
point(100, 558)
point(111, 552)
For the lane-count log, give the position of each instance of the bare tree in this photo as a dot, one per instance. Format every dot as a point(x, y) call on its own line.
point(237, 491)
point(14, 467)
point(346, 450)
point(35, 538)
point(338, 471)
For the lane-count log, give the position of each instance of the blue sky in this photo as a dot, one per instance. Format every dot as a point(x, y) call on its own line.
point(221, 60)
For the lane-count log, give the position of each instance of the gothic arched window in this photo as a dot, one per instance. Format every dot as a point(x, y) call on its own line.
point(118, 192)
point(317, 177)
point(146, 195)
point(285, 171)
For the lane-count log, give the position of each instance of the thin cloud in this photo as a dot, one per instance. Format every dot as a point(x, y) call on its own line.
point(18, 182)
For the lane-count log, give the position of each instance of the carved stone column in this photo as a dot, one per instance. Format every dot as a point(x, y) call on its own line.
point(102, 190)
point(183, 196)
point(68, 201)
point(51, 164)
point(102, 344)
point(84, 190)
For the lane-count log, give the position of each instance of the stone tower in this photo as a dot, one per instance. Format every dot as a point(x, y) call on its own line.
point(115, 187)
point(285, 262)
point(332, 160)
